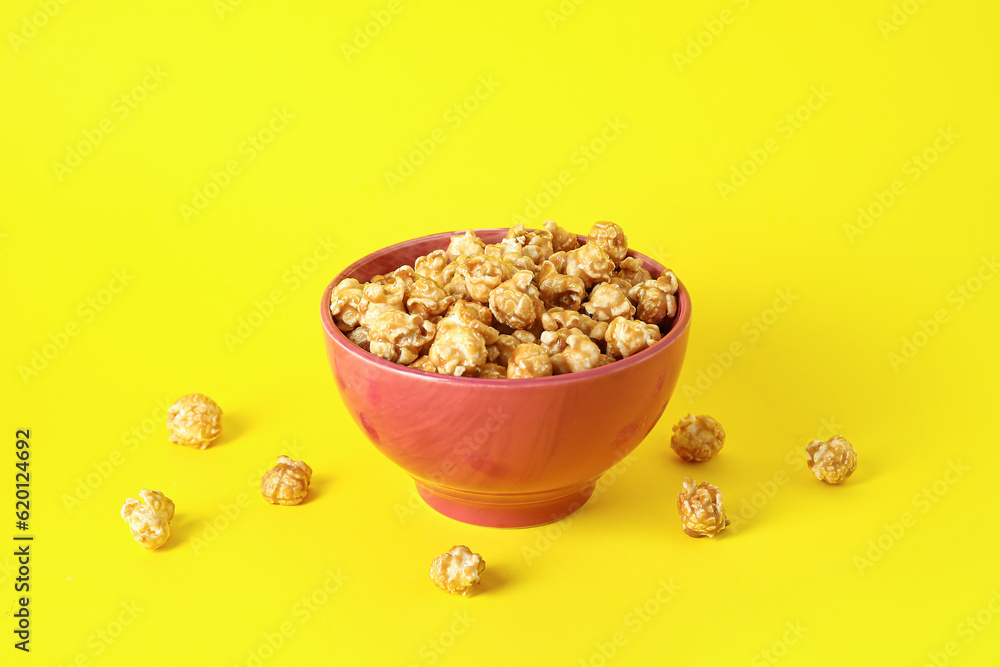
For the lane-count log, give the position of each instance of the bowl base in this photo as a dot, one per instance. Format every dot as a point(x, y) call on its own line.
point(504, 510)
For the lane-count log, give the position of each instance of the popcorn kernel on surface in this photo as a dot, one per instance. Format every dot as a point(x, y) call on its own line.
point(832, 461)
point(287, 483)
point(697, 438)
point(701, 510)
point(458, 570)
point(194, 420)
point(149, 518)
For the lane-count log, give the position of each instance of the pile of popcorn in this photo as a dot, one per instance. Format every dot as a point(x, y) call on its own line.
point(535, 304)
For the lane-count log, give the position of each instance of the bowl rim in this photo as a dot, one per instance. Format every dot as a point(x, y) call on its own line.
point(682, 321)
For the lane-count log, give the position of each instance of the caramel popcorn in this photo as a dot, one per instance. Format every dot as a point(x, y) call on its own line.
point(631, 273)
point(360, 338)
point(390, 292)
point(534, 244)
point(424, 363)
point(476, 316)
point(345, 303)
point(562, 240)
point(610, 238)
point(559, 260)
point(398, 336)
point(515, 257)
point(558, 290)
point(287, 483)
point(464, 245)
point(697, 438)
point(458, 350)
point(436, 266)
point(604, 360)
point(655, 298)
point(529, 360)
point(475, 277)
point(515, 302)
point(427, 298)
point(560, 318)
point(194, 420)
point(570, 351)
point(608, 301)
point(492, 371)
point(701, 510)
point(149, 518)
point(626, 337)
point(458, 570)
point(590, 263)
point(832, 461)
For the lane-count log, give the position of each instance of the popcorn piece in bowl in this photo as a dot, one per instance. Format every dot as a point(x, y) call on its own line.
point(590, 264)
point(492, 371)
point(832, 461)
point(427, 298)
point(475, 277)
point(345, 304)
point(458, 570)
point(610, 238)
point(626, 337)
point(465, 245)
point(515, 302)
point(562, 240)
point(655, 298)
point(391, 293)
point(570, 351)
point(608, 301)
point(476, 316)
point(287, 483)
point(397, 336)
point(697, 438)
point(194, 420)
point(701, 509)
point(558, 290)
point(436, 266)
point(529, 360)
point(458, 350)
point(559, 318)
point(534, 244)
point(149, 518)
point(424, 363)
point(631, 273)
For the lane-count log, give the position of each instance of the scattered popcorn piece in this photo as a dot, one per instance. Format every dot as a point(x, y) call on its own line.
point(697, 438)
point(626, 337)
point(832, 461)
point(701, 510)
point(149, 518)
point(287, 483)
point(194, 420)
point(529, 360)
point(458, 570)
point(610, 238)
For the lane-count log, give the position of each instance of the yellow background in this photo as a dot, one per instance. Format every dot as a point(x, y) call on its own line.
point(883, 570)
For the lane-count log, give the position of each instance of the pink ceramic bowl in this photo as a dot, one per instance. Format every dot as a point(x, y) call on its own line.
point(505, 453)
